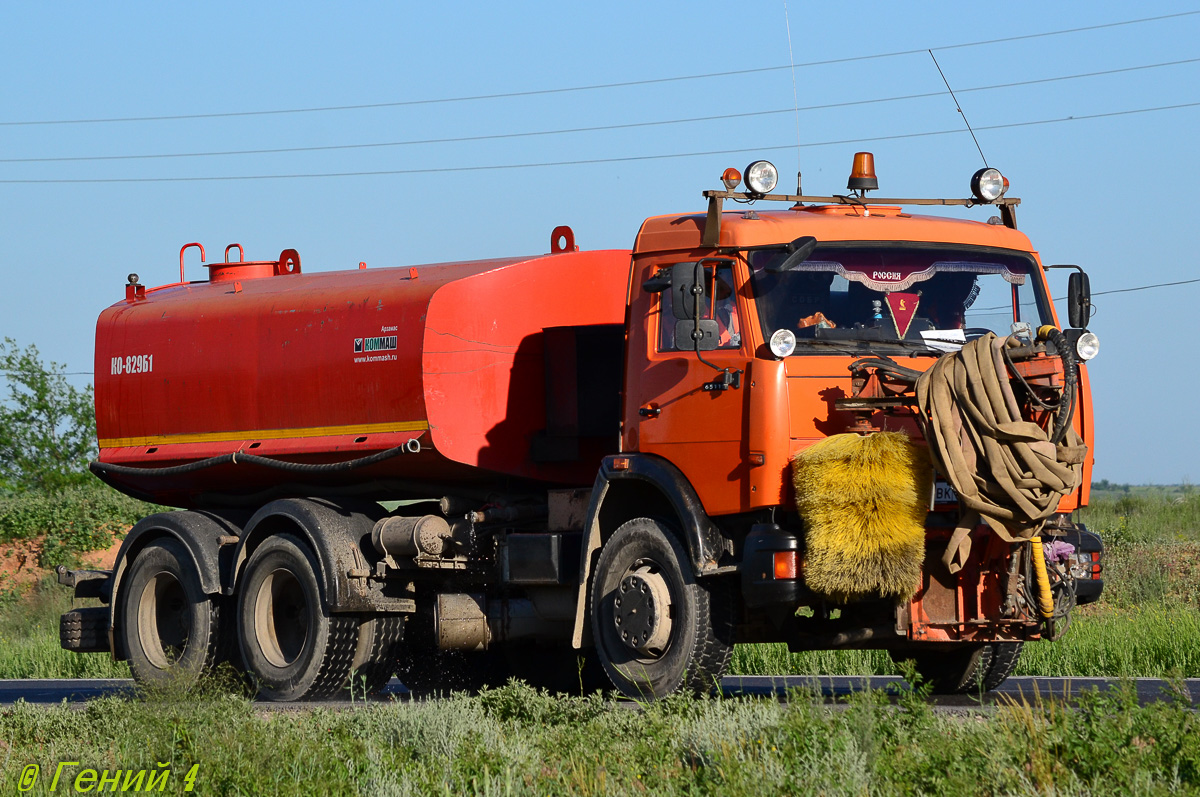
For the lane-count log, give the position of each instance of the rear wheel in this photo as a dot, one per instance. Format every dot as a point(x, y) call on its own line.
point(656, 628)
point(292, 646)
point(377, 655)
point(169, 628)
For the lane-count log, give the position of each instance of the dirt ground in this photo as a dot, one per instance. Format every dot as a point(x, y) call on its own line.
point(19, 562)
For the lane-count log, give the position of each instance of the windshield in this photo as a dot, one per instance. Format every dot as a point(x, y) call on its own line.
point(909, 296)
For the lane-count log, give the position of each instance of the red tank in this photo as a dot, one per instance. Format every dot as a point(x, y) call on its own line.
point(262, 360)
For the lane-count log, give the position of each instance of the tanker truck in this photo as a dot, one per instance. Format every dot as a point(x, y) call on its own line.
point(824, 421)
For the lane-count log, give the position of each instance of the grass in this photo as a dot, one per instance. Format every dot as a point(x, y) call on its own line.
point(516, 741)
point(29, 646)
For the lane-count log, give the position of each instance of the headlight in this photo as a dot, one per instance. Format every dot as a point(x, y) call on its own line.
point(783, 343)
point(988, 184)
point(761, 177)
point(1088, 346)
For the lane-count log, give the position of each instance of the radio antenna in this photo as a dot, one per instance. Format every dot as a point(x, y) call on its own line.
point(795, 97)
point(956, 106)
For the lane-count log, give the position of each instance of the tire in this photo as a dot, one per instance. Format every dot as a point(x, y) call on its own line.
point(291, 645)
point(657, 630)
point(957, 671)
point(169, 628)
point(377, 654)
point(1005, 656)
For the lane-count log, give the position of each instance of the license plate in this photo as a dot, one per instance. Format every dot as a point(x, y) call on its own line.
point(944, 495)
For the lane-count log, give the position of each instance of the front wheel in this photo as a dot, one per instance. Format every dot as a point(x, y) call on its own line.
point(657, 629)
point(966, 668)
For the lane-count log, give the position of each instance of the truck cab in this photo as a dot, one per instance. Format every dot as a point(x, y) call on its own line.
point(747, 332)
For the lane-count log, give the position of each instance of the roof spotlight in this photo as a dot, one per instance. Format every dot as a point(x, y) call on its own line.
point(761, 177)
point(988, 185)
point(731, 177)
point(862, 173)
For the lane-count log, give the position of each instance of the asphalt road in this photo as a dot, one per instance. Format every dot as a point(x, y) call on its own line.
point(1149, 690)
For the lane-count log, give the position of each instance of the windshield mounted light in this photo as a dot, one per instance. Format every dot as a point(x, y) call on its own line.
point(1088, 346)
point(761, 177)
point(862, 175)
point(731, 177)
point(988, 184)
point(783, 343)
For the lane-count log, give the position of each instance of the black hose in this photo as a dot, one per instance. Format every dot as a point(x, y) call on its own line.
point(1066, 409)
point(237, 458)
point(888, 366)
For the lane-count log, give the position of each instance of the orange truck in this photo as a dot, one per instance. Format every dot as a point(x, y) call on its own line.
point(577, 468)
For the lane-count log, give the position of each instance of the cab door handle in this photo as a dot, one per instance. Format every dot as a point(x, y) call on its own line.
point(649, 412)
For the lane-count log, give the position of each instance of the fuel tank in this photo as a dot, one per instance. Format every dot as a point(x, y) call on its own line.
point(505, 372)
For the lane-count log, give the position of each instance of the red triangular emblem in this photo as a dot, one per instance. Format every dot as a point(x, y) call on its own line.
point(903, 307)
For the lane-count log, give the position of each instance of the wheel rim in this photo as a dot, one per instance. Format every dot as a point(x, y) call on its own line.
point(164, 623)
point(281, 618)
point(642, 610)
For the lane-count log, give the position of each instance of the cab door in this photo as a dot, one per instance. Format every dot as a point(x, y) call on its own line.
point(687, 410)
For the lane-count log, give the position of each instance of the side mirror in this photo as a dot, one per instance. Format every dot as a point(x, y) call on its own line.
point(688, 334)
point(684, 288)
point(801, 249)
point(1079, 299)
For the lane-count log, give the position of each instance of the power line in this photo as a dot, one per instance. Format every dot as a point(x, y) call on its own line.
point(1145, 287)
point(578, 162)
point(4, 372)
point(597, 128)
point(592, 87)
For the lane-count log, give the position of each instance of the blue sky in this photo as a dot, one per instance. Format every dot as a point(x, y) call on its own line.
point(1109, 193)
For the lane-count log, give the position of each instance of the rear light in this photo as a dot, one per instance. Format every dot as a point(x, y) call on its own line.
point(786, 564)
point(1086, 565)
point(731, 177)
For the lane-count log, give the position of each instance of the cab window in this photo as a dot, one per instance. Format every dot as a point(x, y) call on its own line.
point(719, 302)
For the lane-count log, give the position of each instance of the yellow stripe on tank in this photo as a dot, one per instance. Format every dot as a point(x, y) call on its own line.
point(265, 434)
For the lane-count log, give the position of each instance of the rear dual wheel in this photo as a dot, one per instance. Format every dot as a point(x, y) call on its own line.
point(169, 628)
point(293, 646)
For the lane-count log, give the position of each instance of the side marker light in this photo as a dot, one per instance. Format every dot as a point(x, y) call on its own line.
point(785, 564)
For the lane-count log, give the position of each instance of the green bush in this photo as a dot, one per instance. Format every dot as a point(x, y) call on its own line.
point(74, 520)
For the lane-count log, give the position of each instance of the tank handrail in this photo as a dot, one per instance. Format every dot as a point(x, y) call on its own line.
point(241, 253)
point(183, 249)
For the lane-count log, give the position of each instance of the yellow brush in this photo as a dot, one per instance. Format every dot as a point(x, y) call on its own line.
point(863, 500)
